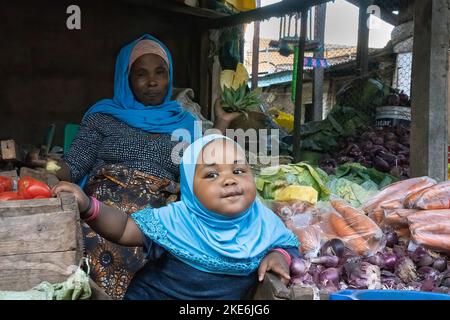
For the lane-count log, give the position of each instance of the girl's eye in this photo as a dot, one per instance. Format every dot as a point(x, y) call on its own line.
point(212, 175)
point(239, 171)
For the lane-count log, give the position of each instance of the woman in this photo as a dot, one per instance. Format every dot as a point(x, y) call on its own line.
point(123, 149)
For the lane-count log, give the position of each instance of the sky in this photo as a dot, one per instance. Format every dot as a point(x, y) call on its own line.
point(341, 26)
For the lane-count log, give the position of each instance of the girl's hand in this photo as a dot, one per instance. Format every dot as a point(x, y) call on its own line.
point(82, 198)
point(275, 262)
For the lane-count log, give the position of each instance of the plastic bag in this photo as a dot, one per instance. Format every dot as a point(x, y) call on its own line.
point(397, 218)
point(311, 239)
point(393, 196)
point(286, 210)
point(359, 232)
point(432, 198)
point(427, 217)
point(435, 236)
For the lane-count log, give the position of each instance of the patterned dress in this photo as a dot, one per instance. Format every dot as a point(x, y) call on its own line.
point(129, 169)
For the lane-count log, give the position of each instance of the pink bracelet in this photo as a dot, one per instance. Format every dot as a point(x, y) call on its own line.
point(285, 254)
point(96, 210)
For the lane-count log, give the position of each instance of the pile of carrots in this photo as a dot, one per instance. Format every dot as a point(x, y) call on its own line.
point(359, 232)
point(419, 208)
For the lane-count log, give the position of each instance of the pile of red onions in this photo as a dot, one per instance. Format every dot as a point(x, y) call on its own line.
point(395, 268)
point(385, 149)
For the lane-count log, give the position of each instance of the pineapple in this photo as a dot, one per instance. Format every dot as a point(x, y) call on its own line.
point(235, 97)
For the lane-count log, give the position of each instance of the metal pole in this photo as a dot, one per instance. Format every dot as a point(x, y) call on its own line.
point(299, 88)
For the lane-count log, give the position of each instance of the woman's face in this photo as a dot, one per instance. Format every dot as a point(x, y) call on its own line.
point(223, 181)
point(149, 79)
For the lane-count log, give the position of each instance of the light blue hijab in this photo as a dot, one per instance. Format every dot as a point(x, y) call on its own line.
point(163, 118)
point(208, 241)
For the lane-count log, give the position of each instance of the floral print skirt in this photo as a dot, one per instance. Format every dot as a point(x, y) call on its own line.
point(113, 266)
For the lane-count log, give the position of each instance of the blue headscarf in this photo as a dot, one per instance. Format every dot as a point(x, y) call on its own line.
point(164, 118)
point(209, 241)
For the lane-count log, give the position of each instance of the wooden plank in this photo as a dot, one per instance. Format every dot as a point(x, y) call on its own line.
point(429, 90)
point(10, 150)
point(299, 89)
point(362, 56)
point(10, 174)
point(266, 12)
point(318, 77)
point(39, 233)
point(255, 51)
point(24, 271)
point(29, 207)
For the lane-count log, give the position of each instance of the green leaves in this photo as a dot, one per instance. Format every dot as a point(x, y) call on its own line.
point(239, 100)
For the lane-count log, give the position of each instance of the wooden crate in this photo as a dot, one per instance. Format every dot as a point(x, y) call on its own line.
point(273, 289)
point(39, 240)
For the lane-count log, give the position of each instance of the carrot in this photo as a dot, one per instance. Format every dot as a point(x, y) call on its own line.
point(394, 220)
point(439, 242)
point(411, 200)
point(403, 233)
point(397, 191)
point(435, 228)
point(436, 197)
point(377, 216)
point(309, 238)
point(398, 217)
point(428, 216)
point(354, 240)
point(356, 219)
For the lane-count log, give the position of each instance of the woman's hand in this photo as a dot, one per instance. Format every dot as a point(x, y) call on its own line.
point(223, 119)
point(82, 198)
point(275, 262)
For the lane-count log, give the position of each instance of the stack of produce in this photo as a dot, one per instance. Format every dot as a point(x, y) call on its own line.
point(356, 105)
point(393, 268)
point(419, 205)
point(385, 149)
point(28, 188)
point(356, 183)
point(273, 180)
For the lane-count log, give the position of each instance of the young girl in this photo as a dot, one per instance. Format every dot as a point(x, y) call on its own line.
point(213, 244)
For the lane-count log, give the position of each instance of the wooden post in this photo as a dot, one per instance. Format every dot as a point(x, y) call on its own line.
point(430, 90)
point(362, 56)
point(255, 53)
point(204, 76)
point(319, 35)
point(299, 87)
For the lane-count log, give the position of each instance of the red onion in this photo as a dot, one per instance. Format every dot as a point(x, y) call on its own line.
point(428, 272)
point(440, 264)
point(363, 275)
point(333, 247)
point(390, 261)
point(391, 239)
point(329, 279)
point(299, 267)
point(406, 270)
point(326, 261)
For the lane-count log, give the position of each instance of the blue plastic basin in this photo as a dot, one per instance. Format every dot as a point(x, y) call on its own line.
point(387, 295)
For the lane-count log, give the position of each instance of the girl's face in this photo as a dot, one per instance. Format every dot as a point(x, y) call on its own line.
point(223, 181)
point(149, 79)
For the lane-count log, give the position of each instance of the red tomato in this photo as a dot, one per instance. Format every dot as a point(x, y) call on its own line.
point(6, 184)
point(30, 188)
point(10, 195)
